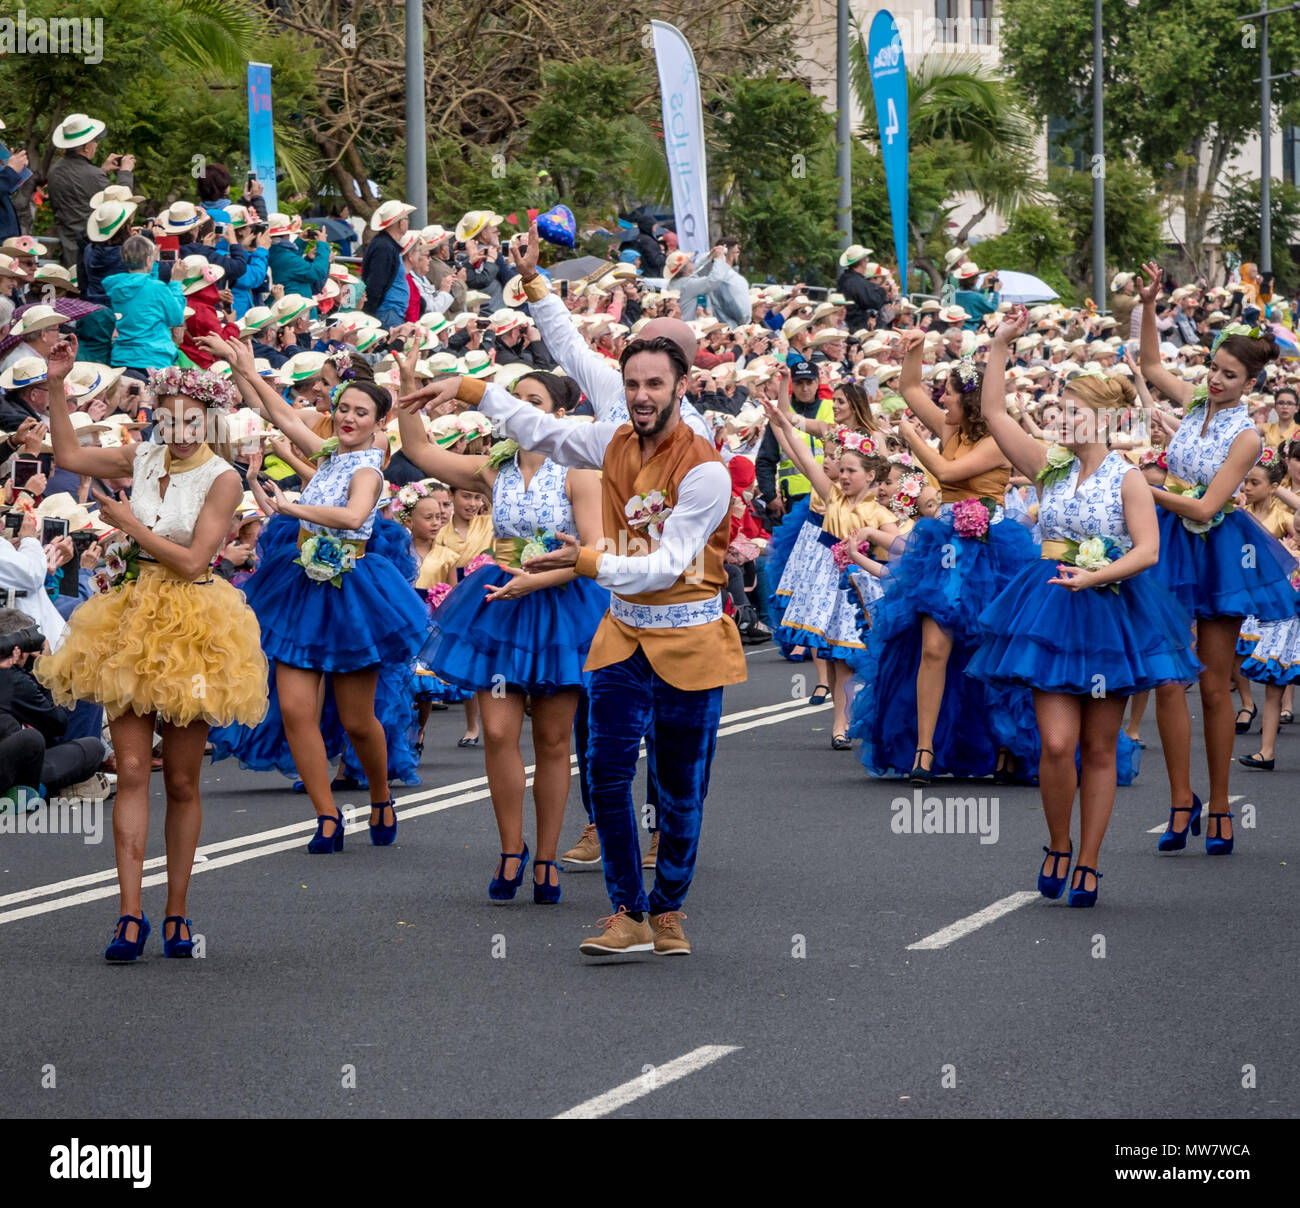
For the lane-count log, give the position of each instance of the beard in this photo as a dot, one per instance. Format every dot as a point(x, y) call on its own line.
point(656, 425)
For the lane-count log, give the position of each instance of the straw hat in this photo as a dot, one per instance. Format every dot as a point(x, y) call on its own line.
point(828, 335)
point(9, 267)
point(953, 314)
point(278, 225)
point(389, 213)
point(180, 216)
point(114, 193)
point(57, 276)
point(255, 318)
point(87, 379)
point(853, 253)
point(76, 130)
point(476, 364)
point(476, 221)
point(290, 307)
point(300, 367)
point(199, 277)
point(107, 219)
point(37, 318)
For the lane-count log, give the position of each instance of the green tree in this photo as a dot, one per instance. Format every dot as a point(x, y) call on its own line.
point(772, 165)
point(1181, 90)
point(1036, 241)
point(1236, 223)
point(1133, 220)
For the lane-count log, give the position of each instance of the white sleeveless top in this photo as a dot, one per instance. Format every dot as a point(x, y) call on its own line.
point(1197, 459)
point(175, 515)
point(1069, 512)
point(331, 483)
point(544, 505)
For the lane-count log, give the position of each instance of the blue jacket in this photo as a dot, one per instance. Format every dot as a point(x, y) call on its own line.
point(10, 183)
point(290, 268)
point(248, 287)
point(149, 311)
point(99, 261)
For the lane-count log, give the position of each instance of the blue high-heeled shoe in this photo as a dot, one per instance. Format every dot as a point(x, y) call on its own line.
point(176, 946)
point(381, 835)
point(1218, 846)
point(1053, 886)
point(322, 844)
point(121, 950)
point(1080, 896)
point(502, 889)
point(544, 893)
point(1174, 840)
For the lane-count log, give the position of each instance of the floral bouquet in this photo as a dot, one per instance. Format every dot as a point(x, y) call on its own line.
point(543, 541)
point(326, 559)
point(970, 518)
point(908, 496)
point(649, 511)
point(1202, 527)
point(122, 566)
point(1093, 554)
point(1154, 457)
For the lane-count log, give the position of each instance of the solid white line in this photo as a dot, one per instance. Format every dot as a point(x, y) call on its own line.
point(286, 838)
point(1164, 826)
point(646, 1083)
point(973, 922)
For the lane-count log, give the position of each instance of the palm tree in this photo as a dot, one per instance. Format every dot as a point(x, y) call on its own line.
point(963, 108)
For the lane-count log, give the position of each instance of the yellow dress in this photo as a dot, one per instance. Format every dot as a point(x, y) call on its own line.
point(451, 551)
point(188, 651)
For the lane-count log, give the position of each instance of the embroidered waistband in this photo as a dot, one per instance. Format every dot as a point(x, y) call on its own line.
point(665, 616)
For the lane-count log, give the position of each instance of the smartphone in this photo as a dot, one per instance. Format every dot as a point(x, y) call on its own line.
point(52, 528)
point(266, 482)
point(23, 469)
point(248, 180)
point(564, 289)
point(13, 522)
point(82, 541)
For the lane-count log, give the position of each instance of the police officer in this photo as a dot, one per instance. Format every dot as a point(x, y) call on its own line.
point(779, 481)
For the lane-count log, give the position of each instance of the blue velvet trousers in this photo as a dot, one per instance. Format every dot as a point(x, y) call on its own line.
point(629, 701)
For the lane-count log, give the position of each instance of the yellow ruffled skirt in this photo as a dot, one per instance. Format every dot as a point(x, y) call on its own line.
point(186, 651)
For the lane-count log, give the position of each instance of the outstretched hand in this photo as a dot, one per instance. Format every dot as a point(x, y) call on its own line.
point(524, 252)
point(1149, 291)
point(437, 397)
point(558, 559)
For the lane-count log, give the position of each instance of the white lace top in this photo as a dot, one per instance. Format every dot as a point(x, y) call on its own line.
point(1070, 512)
point(1196, 458)
point(330, 484)
point(175, 515)
point(544, 505)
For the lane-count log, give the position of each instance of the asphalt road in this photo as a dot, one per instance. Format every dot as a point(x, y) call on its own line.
point(383, 982)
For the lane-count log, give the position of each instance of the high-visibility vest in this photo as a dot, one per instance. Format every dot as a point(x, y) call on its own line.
point(790, 480)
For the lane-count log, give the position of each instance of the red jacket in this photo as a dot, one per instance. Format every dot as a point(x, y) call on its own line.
point(204, 322)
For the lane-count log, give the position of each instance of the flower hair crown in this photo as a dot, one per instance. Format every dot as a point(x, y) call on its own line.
point(967, 373)
point(857, 442)
point(207, 388)
point(1153, 457)
point(1268, 457)
point(1235, 329)
point(406, 499)
point(341, 359)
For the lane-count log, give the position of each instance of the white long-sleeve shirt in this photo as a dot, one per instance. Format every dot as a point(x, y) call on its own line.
point(24, 569)
point(703, 495)
point(597, 376)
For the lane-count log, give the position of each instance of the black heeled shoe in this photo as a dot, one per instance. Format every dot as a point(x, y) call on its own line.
point(840, 742)
point(1255, 761)
point(1005, 773)
point(1243, 727)
point(821, 694)
point(922, 775)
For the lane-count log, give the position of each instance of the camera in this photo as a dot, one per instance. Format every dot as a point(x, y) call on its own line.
point(29, 640)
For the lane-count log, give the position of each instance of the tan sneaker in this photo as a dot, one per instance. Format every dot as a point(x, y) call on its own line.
point(652, 852)
point(622, 935)
point(586, 852)
point(667, 929)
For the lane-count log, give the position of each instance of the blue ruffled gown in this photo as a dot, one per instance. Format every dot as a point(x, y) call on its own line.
point(788, 535)
point(538, 643)
point(1210, 573)
point(1041, 635)
point(951, 579)
point(375, 619)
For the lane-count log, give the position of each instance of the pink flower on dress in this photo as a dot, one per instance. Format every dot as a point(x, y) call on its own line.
point(479, 560)
point(437, 593)
point(970, 518)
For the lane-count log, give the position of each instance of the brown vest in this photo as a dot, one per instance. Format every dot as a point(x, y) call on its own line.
point(694, 657)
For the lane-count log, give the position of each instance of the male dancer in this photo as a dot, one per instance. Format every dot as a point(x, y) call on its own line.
point(665, 650)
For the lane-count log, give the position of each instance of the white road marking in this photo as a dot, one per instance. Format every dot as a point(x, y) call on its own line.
point(973, 922)
point(654, 1078)
point(1205, 817)
point(103, 884)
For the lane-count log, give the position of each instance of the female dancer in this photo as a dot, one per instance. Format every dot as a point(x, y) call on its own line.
point(328, 604)
point(166, 626)
point(925, 627)
point(819, 611)
point(1082, 617)
point(1221, 565)
point(512, 636)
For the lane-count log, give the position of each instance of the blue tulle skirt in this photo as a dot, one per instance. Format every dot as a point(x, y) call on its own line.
point(1040, 635)
point(374, 617)
point(1274, 657)
point(536, 644)
point(1207, 576)
point(949, 578)
point(784, 537)
point(422, 684)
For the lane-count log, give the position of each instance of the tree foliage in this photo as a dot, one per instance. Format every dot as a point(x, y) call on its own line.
point(1236, 223)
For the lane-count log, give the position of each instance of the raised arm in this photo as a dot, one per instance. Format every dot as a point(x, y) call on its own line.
point(1023, 451)
point(913, 389)
point(1153, 368)
point(796, 450)
point(984, 456)
point(69, 453)
point(275, 408)
point(455, 469)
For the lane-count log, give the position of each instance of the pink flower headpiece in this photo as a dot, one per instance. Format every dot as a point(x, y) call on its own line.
point(857, 442)
point(207, 388)
point(1268, 457)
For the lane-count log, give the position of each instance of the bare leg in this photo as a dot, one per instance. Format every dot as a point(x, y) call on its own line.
point(1059, 719)
point(1216, 645)
point(503, 723)
point(1176, 744)
point(133, 745)
point(471, 717)
point(354, 697)
point(840, 675)
point(1271, 718)
point(552, 720)
point(300, 707)
point(422, 711)
point(1100, 731)
point(1136, 708)
point(1242, 686)
point(931, 677)
point(182, 753)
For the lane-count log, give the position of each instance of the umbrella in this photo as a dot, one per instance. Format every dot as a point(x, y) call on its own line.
point(1023, 287)
point(575, 270)
point(71, 309)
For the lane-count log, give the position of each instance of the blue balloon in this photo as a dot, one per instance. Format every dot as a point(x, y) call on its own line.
point(557, 225)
